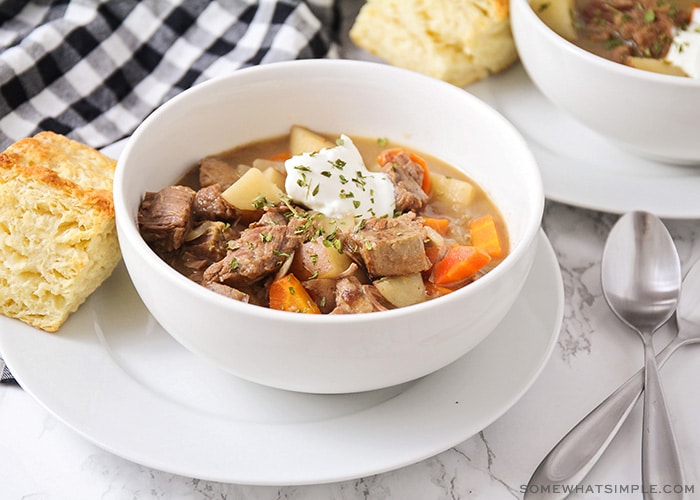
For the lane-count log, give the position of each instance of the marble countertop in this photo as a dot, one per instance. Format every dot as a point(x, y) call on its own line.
point(41, 458)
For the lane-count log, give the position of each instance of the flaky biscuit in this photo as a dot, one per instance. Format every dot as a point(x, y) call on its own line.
point(58, 238)
point(459, 41)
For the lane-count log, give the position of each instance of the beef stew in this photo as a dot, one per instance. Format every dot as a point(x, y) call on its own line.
point(653, 35)
point(309, 224)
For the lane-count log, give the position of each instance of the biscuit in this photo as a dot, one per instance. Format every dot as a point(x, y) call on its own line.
point(58, 238)
point(459, 41)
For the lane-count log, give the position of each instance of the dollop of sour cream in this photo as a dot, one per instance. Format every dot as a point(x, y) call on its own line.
point(685, 48)
point(336, 182)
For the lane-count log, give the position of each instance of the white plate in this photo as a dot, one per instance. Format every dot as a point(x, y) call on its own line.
point(580, 167)
point(114, 376)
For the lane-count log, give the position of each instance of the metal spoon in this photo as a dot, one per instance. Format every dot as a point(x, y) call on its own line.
point(577, 452)
point(641, 282)
point(641, 279)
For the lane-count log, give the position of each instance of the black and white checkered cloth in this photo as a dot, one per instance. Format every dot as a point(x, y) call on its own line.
point(5, 375)
point(93, 70)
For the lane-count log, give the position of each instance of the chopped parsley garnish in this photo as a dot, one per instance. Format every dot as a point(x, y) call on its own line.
point(234, 264)
point(339, 163)
point(260, 202)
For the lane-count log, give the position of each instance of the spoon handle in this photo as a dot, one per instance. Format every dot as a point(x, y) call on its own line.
point(579, 450)
point(662, 471)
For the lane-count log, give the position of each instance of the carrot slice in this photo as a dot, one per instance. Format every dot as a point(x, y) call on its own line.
point(280, 156)
point(288, 294)
point(388, 155)
point(440, 225)
point(485, 235)
point(459, 264)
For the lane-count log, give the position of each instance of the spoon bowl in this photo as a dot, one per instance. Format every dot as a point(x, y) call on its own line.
point(641, 279)
point(641, 272)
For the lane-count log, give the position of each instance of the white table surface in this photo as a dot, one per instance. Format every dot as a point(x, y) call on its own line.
point(41, 458)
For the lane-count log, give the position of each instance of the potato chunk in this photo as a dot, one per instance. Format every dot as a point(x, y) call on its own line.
point(315, 259)
point(656, 65)
point(452, 191)
point(275, 176)
point(402, 290)
point(303, 140)
point(557, 15)
point(252, 189)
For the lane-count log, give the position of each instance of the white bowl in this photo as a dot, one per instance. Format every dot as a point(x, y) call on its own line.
point(336, 353)
point(652, 115)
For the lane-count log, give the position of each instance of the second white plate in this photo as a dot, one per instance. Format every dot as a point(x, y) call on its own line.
point(580, 167)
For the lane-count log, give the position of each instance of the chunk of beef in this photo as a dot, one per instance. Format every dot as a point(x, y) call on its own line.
point(391, 247)
point(298, 223)
point(211, 245)
point(272, 217)
point(217, 171)
point(227, 291)
point(351, 297)
point(165, 217)
point(322, 291)
point(204, 245)
point(210, 205)
point(301, 225)
point(259, 251)
point(407, 177)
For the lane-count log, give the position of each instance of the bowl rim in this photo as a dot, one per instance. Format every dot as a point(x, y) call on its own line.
point(530, 17)
point(128, 228)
